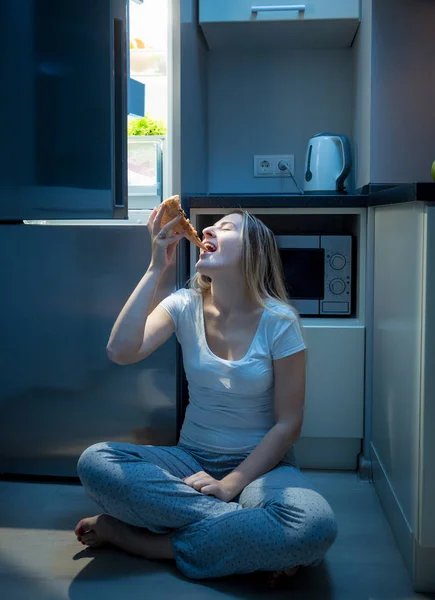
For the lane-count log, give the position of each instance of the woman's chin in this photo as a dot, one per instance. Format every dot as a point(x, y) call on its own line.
point(204, 267)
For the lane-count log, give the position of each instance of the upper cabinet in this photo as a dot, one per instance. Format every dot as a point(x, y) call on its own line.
point(276, 23)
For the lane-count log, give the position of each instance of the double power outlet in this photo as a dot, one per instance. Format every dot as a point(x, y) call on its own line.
point(267, 166)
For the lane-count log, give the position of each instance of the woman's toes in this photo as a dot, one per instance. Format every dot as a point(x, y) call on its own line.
point(89, 538)
point(88, 532)
point(83, 526)
point(277, 577)
point(93, 543)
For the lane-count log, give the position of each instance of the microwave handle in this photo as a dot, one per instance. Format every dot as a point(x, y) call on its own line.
point(347, 162)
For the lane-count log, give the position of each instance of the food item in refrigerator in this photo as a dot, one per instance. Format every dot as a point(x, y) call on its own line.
point(172, 208)
point(138, 44)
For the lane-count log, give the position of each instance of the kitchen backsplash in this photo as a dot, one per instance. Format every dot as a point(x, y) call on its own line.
point(272, 103)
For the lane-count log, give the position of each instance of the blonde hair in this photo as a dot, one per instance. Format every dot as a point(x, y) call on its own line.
point(261, 263)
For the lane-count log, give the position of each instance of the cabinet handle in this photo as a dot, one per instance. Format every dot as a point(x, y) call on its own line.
point(292, 7)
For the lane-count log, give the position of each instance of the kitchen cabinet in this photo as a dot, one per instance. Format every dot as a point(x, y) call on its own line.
point(335, 381)
point(268, 23)
point(403, 444)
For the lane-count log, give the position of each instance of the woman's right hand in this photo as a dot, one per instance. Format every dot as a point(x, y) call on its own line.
point(163, 249)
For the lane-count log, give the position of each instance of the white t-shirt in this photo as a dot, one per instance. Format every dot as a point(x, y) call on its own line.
point(230, 401)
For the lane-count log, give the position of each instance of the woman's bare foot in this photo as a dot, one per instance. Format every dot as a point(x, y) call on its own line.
point(103, 529)
point(276, 576)
point(96, 531)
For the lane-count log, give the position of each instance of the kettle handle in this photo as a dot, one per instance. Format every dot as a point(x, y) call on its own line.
point(347, 162)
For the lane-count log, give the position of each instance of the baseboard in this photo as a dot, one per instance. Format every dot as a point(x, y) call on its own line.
point(365, 469)
point(399, 525)
point(419, 560)
point(424, 571)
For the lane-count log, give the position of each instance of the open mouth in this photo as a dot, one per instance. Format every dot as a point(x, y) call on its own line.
point(209, 247)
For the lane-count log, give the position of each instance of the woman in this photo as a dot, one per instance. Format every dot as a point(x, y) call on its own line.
point(230, 497)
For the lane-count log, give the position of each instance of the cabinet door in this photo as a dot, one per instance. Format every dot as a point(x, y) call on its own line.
point(335, 382)
point(64, 110)
point(269, 10)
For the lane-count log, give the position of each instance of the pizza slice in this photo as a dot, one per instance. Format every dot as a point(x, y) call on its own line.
point(173, 209)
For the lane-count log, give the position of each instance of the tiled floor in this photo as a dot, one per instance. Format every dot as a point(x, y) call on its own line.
point(40, 558)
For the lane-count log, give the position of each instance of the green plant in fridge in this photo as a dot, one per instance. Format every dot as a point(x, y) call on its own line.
point(146, 126)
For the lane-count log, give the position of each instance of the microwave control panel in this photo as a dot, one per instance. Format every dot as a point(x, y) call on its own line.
point(338, 274)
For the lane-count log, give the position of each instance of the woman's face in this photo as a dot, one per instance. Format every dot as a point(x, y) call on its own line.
point(226, 236)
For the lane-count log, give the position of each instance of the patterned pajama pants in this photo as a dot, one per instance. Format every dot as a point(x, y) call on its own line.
point(277, 522)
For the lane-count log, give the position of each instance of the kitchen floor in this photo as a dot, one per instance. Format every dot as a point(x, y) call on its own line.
point(42, 560)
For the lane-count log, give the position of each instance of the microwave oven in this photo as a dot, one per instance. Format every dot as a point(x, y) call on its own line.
point(318, 273)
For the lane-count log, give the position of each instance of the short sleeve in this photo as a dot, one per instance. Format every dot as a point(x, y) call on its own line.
point(175, 304)
point(288, 338)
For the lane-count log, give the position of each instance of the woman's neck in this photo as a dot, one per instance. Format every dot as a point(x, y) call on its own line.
point(230, 298)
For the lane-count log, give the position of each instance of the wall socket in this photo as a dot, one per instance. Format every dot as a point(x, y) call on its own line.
point(267, 165)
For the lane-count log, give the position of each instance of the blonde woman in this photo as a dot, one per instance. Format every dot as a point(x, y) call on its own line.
point(229, 497)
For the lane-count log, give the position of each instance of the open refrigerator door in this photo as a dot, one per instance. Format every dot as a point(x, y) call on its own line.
point(148, 52)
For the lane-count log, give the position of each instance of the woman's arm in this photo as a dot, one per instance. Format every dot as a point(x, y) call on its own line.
point(289, 402)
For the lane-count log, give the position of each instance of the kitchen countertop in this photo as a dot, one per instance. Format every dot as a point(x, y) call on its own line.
point(369, 195)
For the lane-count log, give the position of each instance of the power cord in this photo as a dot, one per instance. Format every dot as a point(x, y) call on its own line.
point(284, 166)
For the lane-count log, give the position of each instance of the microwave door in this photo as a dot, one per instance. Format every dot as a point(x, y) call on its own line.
point(64, 114)
point(306, 308)
point(305, 278)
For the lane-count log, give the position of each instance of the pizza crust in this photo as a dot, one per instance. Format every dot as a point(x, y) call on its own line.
point(172, 208)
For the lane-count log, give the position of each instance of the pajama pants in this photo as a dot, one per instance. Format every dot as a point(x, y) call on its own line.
point(277, 522)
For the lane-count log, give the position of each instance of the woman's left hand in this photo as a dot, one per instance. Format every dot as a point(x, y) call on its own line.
point(204, 483)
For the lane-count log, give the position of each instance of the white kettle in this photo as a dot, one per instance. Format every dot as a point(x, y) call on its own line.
point(327, 164)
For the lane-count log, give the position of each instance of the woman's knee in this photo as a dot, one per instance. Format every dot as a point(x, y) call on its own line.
point(324, 530)
point(312, 523)
point(90, 458)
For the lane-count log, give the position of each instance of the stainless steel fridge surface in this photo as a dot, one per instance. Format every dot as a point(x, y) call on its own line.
point(63, 287)
point(66, 109)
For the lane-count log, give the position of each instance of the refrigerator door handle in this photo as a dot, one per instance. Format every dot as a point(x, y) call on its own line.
point(119, 183)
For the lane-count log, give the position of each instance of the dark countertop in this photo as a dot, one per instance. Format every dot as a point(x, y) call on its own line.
point(369, 195)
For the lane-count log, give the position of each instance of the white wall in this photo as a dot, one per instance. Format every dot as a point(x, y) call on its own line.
point(271, 103)
point(362, 96)
point(193, 102)
point(403, 91)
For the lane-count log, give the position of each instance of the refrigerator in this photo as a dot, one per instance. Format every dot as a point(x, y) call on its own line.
point(72, 254)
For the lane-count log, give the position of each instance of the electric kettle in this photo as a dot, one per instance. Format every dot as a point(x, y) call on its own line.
point(327, 164)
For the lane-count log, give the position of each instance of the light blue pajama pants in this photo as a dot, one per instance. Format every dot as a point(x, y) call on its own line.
point(277, 522)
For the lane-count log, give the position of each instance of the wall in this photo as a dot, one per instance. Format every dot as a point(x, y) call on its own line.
point(362, 96)
point(271, 103)
point(193, 102)
point(186, 155)
point(403, 96)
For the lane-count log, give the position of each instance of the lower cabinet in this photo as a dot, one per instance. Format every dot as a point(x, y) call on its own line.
point(335, 382)
point(334, 410)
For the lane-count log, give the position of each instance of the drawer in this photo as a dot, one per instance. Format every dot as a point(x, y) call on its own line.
point(220, 11)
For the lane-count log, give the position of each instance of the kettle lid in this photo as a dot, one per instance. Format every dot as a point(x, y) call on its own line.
point(326, 133)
